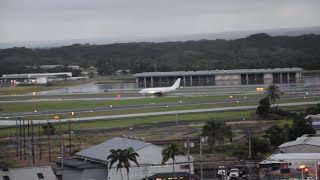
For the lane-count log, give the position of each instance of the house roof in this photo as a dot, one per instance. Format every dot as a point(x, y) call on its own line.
point(101, 151)
point(294, 156)
point(30, 173)
point(215, 72)
point(304, 140)
point(149, 153)
point(80, 163)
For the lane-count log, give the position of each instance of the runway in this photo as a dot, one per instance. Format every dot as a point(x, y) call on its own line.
point(145, 106)
point(12, 122)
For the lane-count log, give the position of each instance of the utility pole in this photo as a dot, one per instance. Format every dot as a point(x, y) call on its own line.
point(70, 138)
point(20, 139)
point(201, 170)
point(49, 147)
point(32, 143)
point(250, 153)
point(316, 168)
point(188, 146)
point(24, 141)
point(17, 139)
point(39, 141)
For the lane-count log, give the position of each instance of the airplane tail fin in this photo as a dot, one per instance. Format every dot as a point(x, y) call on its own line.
point(176, 84)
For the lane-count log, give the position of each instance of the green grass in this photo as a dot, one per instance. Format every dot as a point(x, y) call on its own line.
point(58, 105)
point(146, 120)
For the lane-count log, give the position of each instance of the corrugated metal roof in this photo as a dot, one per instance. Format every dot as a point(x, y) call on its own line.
point(214, 72)
point(102, 151)
point(294, 156)
point(80, 163)
point(29, 173)
point(314, 141)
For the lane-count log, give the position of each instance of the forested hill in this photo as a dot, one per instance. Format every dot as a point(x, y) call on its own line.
point(255, 51)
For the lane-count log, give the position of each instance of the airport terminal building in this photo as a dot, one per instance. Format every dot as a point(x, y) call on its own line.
point(220, 77)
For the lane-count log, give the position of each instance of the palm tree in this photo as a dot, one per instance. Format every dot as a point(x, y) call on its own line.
point(216, 130)
point(123, 157)
point(170, 152)
point(273, 93)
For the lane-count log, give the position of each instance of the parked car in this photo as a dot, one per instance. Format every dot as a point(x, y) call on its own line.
point(234, 173)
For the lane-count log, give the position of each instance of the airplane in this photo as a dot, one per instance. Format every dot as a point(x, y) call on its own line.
point(159, 91)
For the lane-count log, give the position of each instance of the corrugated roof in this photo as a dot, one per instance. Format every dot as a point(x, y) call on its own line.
point(29, 173)
point(101, 151)
point(80, 163)
point(294, 156)
point(214, 72)
point(314, 141)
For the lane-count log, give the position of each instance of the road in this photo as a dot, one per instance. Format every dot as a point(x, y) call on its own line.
point(12, 122)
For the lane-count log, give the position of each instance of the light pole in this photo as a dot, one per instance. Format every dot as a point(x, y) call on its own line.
point(201, 163)
point(61, 141)
point(188, 145)
point(201, 170)
point(249, 153)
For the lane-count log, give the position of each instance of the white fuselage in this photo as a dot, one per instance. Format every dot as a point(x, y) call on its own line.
point(161, 90)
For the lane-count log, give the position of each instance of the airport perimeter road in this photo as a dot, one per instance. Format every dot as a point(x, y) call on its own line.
point(93, 118)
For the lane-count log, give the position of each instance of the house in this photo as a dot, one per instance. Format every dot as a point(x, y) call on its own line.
point(308, 143)
point(29, 173)
point(289, 165)
point(81, 169)
point(149, 161)
point(315, 122)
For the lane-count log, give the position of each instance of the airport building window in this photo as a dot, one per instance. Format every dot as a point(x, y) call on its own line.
point(292, 77)
point(284, 78)
point(243, 79)
point(251, 78)
point(203, 80)
point(164, 81)
point(276, 78)
point(211, 80)
point(148, 82)
point(187, 81)
point(156, 82)
point(259, 79)
point(141, 82)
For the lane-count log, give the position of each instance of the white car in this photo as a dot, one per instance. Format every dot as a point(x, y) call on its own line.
point(234, 173)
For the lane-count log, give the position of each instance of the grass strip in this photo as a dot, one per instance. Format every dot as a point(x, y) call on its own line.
point(59, 105)
point(146, 120)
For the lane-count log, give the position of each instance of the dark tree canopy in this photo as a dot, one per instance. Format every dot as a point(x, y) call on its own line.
point(255, 51)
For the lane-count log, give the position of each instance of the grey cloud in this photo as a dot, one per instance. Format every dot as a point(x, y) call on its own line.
point(71, 19)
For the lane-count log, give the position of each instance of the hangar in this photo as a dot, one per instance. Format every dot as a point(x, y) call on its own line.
point(34, 78)
point(220, 77)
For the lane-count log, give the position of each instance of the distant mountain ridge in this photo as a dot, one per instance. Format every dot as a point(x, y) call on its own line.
point(172, 38)
point(255, 51)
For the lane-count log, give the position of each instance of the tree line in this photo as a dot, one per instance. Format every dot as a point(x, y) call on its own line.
point(255, 51)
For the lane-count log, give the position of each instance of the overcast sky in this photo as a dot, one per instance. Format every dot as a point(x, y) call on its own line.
point(37, 20)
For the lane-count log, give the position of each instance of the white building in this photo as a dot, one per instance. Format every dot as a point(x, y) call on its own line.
point(35, 78)
point(308, 143)
point(149, 160)
point(28, 173)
